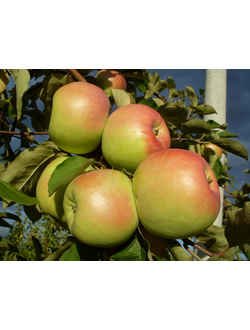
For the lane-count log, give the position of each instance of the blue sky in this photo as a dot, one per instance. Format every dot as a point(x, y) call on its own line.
point(237, 116)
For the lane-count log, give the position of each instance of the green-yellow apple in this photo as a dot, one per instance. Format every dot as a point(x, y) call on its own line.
point(52, 205)
point(100, 208)
point(177, 194)
point(205, 148)
point(79, 114)
point(111, 79)
point(4, 79)
point(132, 133)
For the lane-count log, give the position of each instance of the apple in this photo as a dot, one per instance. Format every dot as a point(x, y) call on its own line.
point(52, 205)
point(205, 148)
point(132, 133)
point(4, 79)
point(79, 114)
point(111, 79)
point(100, 208)
point(177, 194)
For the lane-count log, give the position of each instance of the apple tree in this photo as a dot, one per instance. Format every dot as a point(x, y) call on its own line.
point(27, 149)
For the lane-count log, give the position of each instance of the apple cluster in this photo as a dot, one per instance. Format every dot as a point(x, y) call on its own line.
point(173, 193)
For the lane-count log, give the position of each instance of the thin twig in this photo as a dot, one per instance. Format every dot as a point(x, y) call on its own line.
point(76, 75)
point(23, 133)
point(160, 97)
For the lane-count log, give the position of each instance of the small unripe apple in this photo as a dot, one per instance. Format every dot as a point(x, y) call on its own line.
point(100, 208)
point(176, 193)
point(218, 151)
point(111, 79)
point(79, 114)
point(132, 133)
point(52, 205)
point(4, 79)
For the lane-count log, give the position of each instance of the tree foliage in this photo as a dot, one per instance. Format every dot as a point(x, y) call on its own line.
point(25, 112)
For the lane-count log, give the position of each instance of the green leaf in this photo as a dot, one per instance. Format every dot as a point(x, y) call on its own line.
point(8, 192)
point(8, 246)
point(217, 168)
point(203, 109)
point(133, 251)
point(24, 172)
point(121, 97)
point(213, 238)
point(155, 85)
point(55, 256)
point(196, 125)
point(176, 250)
point(192, 95)
point(232, 146)
point(237, 230)
point(21, 78)
point(171, 87)
point(51, 84)
point(246, 188)
point(81, 252)
point(174, 112)
point(150, 103)
point(68, 170)
point(38, 248)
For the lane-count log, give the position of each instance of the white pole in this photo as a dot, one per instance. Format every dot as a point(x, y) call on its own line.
point(215, 95)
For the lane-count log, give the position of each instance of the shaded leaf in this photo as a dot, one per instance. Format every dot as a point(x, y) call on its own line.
point(51, 84)
point(24, 172)
point(150, 103)
point(227, 134)
point(8, 215)
point(55, 256)
point(219, 259)
point(68, 170)
point(176, 250)
point(232, 146)
point(8, 192)
point(21, 78)
point(237, 230)
point(196, 125)
point(133, 251)
point(4, 223)
point(38, 248)
point(174, 112)
point(81, 252)
point(213, 238)
point(8, 246)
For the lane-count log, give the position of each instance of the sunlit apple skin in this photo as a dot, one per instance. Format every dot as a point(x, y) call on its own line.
point(132, 133)
point(4, 79)
point(52, 205)
point(79, 114)
point(100, 208)
point(176, 192)
point(111, 79)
